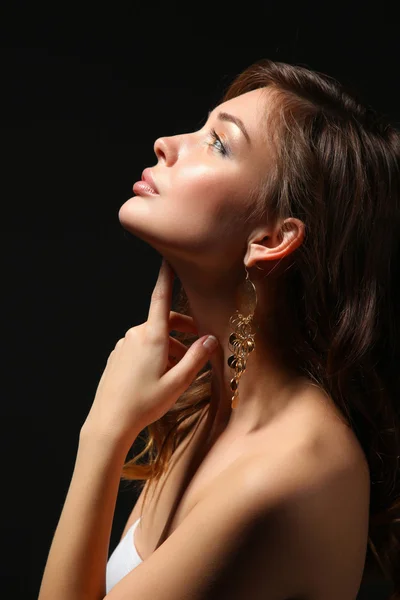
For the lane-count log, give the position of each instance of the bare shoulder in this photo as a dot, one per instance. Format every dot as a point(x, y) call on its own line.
point(318, 493)
point(278, 526)
point(326, 456)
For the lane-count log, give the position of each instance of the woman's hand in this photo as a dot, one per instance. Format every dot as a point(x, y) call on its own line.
point(140, 382)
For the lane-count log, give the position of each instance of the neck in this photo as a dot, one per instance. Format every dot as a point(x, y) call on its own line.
point(267, 382)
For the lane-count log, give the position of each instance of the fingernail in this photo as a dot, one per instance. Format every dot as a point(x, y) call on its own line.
point(211, 342)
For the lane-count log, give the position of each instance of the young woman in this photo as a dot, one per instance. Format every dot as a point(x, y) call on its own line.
point(280, 217)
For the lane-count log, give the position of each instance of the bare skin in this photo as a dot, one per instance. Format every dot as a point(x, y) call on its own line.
point(195, 470)
point(198, 223)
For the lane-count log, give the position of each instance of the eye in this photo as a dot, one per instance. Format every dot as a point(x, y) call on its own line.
point(217, 140)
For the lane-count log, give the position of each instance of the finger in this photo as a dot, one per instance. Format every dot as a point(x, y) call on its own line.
point(176, 348)
point(180, 322)
point(177, 380)
point(158, 317)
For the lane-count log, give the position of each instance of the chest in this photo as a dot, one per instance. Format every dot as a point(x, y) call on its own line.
point(195, 468)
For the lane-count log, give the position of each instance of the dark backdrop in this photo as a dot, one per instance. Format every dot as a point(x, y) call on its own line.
point(85, 91)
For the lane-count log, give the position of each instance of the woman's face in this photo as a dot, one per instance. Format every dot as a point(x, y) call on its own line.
point(205, 181)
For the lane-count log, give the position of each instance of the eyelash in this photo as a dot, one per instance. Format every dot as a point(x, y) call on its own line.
point(216, 138)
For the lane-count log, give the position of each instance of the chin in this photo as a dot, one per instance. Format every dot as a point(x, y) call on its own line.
point(123, 214)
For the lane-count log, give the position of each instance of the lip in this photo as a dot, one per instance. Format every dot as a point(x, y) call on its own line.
point(142, 188)
point(148, 178)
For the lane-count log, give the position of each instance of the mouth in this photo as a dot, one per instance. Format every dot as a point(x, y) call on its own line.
point(141, 188)
point(147, 177)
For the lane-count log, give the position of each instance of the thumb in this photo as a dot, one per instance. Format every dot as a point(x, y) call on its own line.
point(178, 379)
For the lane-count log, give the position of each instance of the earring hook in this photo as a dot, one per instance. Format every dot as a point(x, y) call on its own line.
point(268, 273)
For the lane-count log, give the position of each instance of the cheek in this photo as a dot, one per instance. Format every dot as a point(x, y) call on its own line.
point(195, 179)
point(201, 212)
point(208, 198)
point(207, 189)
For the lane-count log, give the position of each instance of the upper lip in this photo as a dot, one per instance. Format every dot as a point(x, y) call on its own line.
point(148, 178)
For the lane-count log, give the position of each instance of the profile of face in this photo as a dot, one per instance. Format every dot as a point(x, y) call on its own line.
point(205, 181)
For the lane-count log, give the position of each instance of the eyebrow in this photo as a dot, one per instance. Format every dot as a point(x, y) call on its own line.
point(224, 116)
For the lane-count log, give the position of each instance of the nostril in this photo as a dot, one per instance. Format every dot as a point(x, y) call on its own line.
point(163, 149)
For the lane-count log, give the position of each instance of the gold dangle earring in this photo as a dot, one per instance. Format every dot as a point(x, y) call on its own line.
point(241, 341)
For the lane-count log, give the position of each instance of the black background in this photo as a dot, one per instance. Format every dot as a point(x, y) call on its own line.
point(85, 91)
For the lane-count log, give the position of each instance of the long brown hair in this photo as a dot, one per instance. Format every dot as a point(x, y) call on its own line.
point(336, 168)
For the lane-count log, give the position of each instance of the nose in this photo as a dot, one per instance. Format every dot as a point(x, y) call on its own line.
point(165, 149)
point(159, 148)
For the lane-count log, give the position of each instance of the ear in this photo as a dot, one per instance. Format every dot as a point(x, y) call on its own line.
point(275, 244)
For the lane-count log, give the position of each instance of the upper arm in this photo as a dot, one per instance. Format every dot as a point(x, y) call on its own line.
point(228, 541)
